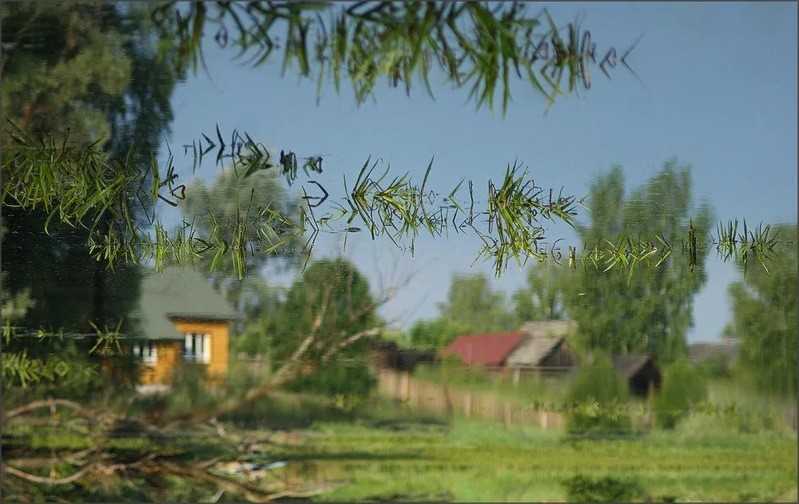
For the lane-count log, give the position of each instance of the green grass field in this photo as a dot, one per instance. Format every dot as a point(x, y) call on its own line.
point(479, 461)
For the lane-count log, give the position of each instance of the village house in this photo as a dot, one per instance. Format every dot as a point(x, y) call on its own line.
point(182, 321)
point(538, 348)
point(541, 349)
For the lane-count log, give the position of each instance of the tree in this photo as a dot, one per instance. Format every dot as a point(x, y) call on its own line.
point(471, 42)
point(651, 311)
point(437, 333)
point(598, 399)
point(683, 387)
point(472, 303)
point(542, 298)
point(81, 73)
point(340, 293)
point(764, 318)
point(234, 198)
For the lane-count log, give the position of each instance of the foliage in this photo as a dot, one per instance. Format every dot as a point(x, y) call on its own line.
point(74, 74)
point(581, 488)
point(764, 312)
point(333, 296)
point(190, 391)
point(471, 302)
point(344, 379)
point(472, 44)
point(599, 400)
point(729, 421)
point(218, 210)
point(437, 333)
point(542, 297)
point(683, 387)
point(651, 311)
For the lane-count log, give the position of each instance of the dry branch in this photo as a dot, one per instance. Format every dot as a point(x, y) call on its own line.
point(46, 480)
point(48, 403)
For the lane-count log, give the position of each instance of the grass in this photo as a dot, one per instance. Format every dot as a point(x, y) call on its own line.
point(478, 461)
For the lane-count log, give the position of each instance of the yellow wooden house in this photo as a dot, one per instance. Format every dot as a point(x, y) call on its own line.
point(181, 320)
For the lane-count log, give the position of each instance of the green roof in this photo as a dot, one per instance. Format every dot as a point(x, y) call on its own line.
point(177, 293)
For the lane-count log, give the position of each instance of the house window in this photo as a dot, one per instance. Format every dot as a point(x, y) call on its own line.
point(197, 348)
point(147, 351)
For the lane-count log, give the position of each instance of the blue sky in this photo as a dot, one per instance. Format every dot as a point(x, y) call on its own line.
point(718, 92)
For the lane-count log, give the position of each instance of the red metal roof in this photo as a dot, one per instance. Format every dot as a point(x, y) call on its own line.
point(489, 349)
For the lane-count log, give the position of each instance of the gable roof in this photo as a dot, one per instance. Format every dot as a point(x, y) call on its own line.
point(177, 293)
point(628, 365)
point(532, 350)
point(489, 349)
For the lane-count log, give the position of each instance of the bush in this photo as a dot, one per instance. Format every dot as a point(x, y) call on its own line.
point(599, 400)
point(606, 489)
point(337, 378)
point(190, 390)
point(683, 387)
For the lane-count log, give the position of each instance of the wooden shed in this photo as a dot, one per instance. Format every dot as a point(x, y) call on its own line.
point(388, 355)
point(641, 373)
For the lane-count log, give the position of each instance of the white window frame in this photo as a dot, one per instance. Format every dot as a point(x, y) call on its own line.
point(197, 348)
point(146, 351)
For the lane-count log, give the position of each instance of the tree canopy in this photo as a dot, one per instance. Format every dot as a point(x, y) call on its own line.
point(764, 318)
point(649, 311)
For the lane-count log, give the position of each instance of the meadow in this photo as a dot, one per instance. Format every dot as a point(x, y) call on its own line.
point(474, 460)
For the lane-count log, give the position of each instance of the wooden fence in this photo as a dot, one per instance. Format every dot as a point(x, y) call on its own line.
point(425, 396)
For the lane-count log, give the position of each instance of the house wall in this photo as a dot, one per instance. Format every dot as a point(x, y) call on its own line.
point(562, 356)
point(219, 332)
point(170, 355)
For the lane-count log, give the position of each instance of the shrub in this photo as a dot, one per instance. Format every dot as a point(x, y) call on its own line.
point(599, 399)
point(190, 390)
point(683, 387)
point(338, 378)
point(605, 489)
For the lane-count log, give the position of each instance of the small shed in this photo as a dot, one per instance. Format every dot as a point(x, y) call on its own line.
point(388, 355)
point(641, 373)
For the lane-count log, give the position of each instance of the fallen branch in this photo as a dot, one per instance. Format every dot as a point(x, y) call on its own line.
point(349, 341)
point(47, 403)
point(228, 484)
point(46, 480)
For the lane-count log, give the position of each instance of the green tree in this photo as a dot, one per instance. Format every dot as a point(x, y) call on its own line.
point(333, 300)
point(217, 210)
point(682, 388)
point(542, 298)
point(764, 318)
point(472, 303)
point(598, 398)
point(83, 73)
point(436, 333)
point(649, 308)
